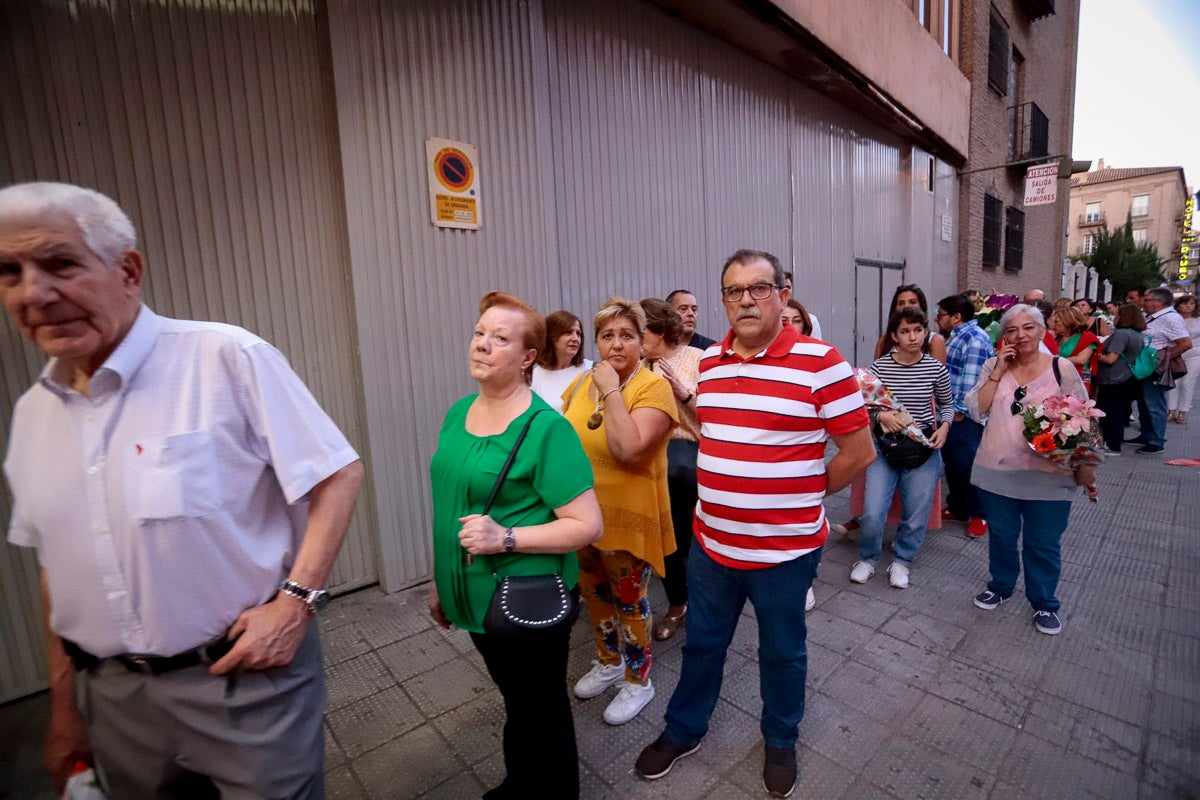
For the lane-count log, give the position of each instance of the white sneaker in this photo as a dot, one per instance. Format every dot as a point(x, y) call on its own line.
point(898, 575)
point(599, 678)
point(629, 702)
point(810, 600)
point(862, 571)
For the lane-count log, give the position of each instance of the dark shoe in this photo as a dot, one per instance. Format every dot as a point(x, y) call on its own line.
point(987, 600)
point(501, 792)
point(977, 527)
point(1047, 622)
point(1149, 450)
point(659, 756)
point(779, 771)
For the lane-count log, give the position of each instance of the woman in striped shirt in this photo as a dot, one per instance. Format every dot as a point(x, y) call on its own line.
point(920, 383)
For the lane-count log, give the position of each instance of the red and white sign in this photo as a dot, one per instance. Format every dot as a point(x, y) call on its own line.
point(1041, 184)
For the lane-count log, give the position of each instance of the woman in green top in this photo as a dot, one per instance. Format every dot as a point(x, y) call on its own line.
point(544, 512)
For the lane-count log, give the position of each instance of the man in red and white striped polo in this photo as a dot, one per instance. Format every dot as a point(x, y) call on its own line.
point(769, 400)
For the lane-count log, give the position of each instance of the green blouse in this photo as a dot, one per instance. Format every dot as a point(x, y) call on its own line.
point(550, 471)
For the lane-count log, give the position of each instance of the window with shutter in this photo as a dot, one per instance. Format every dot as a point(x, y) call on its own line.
point(992, 208)
point(1014, 239)
point(998, 53)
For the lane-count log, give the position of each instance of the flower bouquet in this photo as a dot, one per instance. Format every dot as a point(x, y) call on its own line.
point(1064, 429)
point(880, 398)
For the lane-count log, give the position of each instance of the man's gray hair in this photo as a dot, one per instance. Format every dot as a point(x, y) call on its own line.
point(106, 229)
point(1161, 294)
point(1033, 312)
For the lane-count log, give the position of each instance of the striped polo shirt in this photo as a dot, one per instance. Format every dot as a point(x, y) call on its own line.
point(764, 422)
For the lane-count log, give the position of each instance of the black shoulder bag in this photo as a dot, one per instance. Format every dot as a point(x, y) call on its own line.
point(525, 603)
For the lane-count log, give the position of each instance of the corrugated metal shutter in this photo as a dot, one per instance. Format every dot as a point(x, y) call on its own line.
point(212, 124)
point(468, 71)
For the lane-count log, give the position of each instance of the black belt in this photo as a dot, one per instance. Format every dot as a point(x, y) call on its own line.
point(151, 665)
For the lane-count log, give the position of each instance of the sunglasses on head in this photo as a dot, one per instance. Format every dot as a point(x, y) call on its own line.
point(1018, 396)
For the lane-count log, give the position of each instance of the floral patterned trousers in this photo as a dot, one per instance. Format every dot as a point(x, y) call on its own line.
point(614, 584)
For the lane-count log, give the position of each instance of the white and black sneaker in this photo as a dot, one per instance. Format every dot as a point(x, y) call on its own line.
point(987, 600)
point(1047, 622)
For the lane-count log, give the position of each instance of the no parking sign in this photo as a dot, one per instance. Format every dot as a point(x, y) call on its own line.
point(454, 200)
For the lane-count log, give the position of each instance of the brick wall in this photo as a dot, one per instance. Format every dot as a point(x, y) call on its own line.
point(1048, 47)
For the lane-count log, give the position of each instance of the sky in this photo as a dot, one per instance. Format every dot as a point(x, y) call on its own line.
point(1137, 86)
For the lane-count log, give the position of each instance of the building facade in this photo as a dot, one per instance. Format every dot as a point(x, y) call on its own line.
point(1151, 198)
point(1020, 58)
point(273, 155)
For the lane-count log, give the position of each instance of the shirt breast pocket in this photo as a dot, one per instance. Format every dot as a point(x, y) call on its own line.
point(173, 476)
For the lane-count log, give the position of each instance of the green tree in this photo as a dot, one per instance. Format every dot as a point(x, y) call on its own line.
point(1124, 263)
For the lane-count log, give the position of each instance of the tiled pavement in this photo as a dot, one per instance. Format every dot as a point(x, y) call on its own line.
point(910, 694)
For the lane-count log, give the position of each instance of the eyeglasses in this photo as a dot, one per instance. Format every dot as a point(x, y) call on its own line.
point(1018, 396)
point(758, 291)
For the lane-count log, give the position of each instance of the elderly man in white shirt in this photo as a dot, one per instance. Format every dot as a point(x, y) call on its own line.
point(187, 497)
point(1169, 336)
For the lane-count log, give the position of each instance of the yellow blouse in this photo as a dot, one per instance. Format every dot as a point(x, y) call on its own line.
point(633, 498)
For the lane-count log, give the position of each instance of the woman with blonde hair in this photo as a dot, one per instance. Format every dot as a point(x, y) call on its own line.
point(1075, 342)
point(624, 415)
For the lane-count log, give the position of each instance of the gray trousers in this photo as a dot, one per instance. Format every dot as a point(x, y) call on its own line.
point(187, 735)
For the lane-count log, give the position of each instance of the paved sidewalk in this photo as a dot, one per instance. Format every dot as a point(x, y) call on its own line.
point(912, 693)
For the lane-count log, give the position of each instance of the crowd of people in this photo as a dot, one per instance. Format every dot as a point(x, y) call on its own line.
point(560, 483)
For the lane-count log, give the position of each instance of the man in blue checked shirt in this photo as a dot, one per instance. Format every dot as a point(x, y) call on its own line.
point(967, 347)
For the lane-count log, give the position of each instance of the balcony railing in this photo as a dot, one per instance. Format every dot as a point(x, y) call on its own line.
point(1029, 132)
point(1036, 9)
point(1091, 219)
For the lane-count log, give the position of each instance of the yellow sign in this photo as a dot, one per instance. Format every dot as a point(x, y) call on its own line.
point(1185, 246)
point(455, 209)
point(454, 200)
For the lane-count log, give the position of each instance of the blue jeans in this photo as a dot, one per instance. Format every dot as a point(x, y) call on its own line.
point(959, 453)
point(917, 487)
point(1152, 413)
point(1040, 525)
point(716, 596)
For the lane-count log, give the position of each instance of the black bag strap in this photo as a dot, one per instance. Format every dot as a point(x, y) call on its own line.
point(1057, 371)
point(512, 455)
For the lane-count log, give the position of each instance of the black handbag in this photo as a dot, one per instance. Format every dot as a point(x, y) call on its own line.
point(901, 452)
point(525, 603)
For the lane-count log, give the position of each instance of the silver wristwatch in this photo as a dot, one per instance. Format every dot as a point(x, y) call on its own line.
point(315, 599)
point(510, 541)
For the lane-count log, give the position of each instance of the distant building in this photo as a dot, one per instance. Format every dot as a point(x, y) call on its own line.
point(1020, 58)
point(1152, 198)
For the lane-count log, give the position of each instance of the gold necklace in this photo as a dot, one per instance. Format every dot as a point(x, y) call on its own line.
point(597, 417)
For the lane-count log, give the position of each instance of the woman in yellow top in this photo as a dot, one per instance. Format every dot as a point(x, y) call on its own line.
point(624, 415)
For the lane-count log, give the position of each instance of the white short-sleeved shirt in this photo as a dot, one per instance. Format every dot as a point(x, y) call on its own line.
point(549, 384)
point(170, 500)
point(1165, 327)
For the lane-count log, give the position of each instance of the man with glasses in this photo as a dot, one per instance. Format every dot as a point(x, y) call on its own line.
point(1169, 336)
point(967, 348)
point(684, 303)
point(767, 404)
